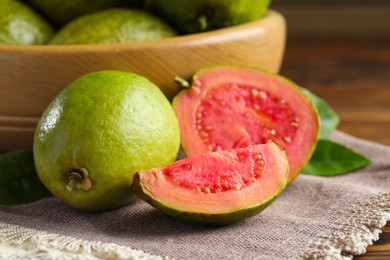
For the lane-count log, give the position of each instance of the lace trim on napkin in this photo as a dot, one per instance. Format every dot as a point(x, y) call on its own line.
point(18, 242)
point(367, 219)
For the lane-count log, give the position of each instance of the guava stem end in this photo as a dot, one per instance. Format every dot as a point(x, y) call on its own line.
point(202, 22)
point(182, 82)
point(78, 178)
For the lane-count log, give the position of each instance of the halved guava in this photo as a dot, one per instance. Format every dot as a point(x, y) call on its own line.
point(233, 107)
point(217, 187)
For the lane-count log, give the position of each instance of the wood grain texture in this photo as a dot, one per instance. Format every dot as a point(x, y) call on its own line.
point(353, 76)
point(31, 76)
point(380, 249)
point(334, 17)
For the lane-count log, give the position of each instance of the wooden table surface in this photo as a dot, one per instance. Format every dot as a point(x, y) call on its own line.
point(353, 76)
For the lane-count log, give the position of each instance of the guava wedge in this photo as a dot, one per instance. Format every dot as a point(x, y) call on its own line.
point(232, 107)
point(216, 188)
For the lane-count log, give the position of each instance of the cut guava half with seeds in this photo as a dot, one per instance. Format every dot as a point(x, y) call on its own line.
point(216, 188)
point(232, 107)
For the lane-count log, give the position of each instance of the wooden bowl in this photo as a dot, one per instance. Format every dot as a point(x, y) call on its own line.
point(31, 76)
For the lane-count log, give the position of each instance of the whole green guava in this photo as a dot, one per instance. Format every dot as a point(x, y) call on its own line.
point(98, 132)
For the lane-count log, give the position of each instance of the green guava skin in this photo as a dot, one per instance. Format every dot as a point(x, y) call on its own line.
point(61, 12)
point(111, 124)
point(116, 25)
point(21, 25)
point(204, 15)
point(204, 218)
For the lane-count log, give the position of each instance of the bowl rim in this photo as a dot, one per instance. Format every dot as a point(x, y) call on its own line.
point(188, 39)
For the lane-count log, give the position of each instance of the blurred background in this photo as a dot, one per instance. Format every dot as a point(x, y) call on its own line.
point(336, 18)
point(340, 50)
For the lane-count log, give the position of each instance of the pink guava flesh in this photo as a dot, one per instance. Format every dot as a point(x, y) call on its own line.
point(235, 170)
point(232, 107)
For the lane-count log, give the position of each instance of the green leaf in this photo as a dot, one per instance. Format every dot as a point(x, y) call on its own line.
point(330, 158)
point(19, 182)
point(329, 119)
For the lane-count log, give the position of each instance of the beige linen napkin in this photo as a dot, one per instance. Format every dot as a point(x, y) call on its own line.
point(315, 217)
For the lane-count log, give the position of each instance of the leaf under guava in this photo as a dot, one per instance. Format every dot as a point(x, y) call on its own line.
point(331, 158)
point(19, 182)
point(329, 119)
